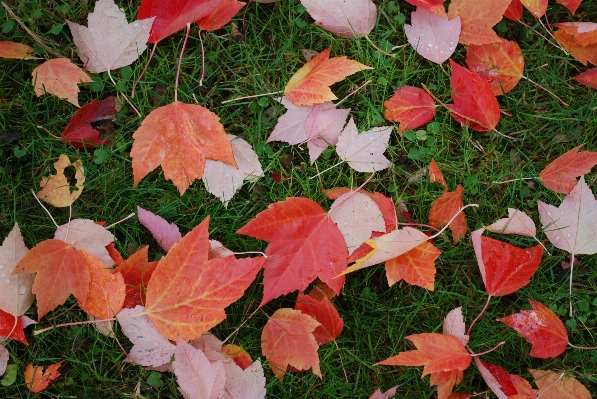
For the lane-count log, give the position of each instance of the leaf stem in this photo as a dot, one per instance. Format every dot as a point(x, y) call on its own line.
point(488, 351)
point(239, 327)
point(353, 92)
point(378, 49)
point(184, 44)
point(418, 224)
point(590, 348)
point(253, 96)
point(512, 180)
point(545, 89)
point(330, 168)
point(550, 385)
point(479, 316)
point(124, 95)
point(451, 220)
point(144, 69)
point(45, 209)
point(570, 291)
point(202, 60)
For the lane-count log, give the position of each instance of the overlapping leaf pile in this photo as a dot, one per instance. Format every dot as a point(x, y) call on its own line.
point(167, 307)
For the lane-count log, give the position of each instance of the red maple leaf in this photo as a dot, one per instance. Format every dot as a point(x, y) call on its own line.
point(498, 380)
point(80, 133)
point(304, 244)
point(410, 106)
point(136, 271)
point(37, 379)
point(444, 208)
point(325, 313)
point(7, 324)
point(542, 328)
point(560, 175)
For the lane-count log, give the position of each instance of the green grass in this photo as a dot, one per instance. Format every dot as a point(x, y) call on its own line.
point(261, 60)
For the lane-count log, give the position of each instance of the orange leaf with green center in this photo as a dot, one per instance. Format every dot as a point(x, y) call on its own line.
point(179, 137)
point(560, 175)
point(310, 84)
point(37, 380)
point(187, 294)
point(287, 340)
point(416, 267)
point(61, 270)
point(536, 7)
point(136, 271)
point(106, 290)
point(444, 208)
point(477, 18)
point(500, 64)
point(542, 328)
point(437, 352)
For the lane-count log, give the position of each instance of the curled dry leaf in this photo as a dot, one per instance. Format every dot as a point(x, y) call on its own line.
point(364, 151)
point(179, 137)
point(166, 234)
point(500, 64)
point(287, 340)
point(15, 290)
point(347, 19)
point(443, 210)
point(310, 84)
point(433, 37)
point(410, 106)
point(16, 51)
point(59, 77)
point(542, 328)
point(109, 41)
point(36, 379)
point(150, 348)
point(81, 133)
point(55, 189)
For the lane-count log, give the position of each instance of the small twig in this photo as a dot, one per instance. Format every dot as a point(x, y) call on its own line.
point(476, 122)
point(202, 60)
point(33, 35)
point(124, 95)
point(479, 316)
point(550, 34)
point(239, 327)
point(45, 209)
point(74, 323)
point(184, 44)
point(47, 131)
point(353, 92)
point(341, 361)
point(590, 348)
point(451, 220)
point(144, 69)
point(378, 49)
point(417, 224)
point(570, 292)
point(323, 171)
point(488, 351)
point(550, 385)
point(510, 181)
point(250, 253)
point(121, 220)
point(545, 89)
point(254, 96)
point(558, 46)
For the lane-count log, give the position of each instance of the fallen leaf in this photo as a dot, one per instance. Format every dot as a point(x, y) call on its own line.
point(15, 290)
point(325, 313)
point(357, 216)
point(500, 64)
point(517, 222)
point(80, 132)
point(11, 327)
point(16, 51)
point(219, 16)
point(560, 175)
point(223, 180)
point(571, 5)
point(166, 234)
point(436, 175)
point(514, 10)
point(187, 294)
point(241, 358)
point(454, 325)
point(437, 352)
point(55, 189)
point(310, 84)
point(445, 381)
point(497, 379)
point(410, 106)
point(477, 17)
point(523, 387)
point(59, 77)
point(364, 151)
point(584, 54)
point(540, 327)
point(37, 380)
point(4, 357)
point(416, 267)
point(348, 19)
point(583, 33)
point(287, 340)
point(473, 97)
point(536, 7)
point(150, 348)
point(443, 210)
point(588, 78)
point(504, 267)
point(553, 385)
point(385, 204)
point(136, 272)
point(196, 377)
point(88, 235)
point(390, 393)
point(179, 137)
point(106, 290)
point(433, 37)
point(61, 270)
point(244, 384)
point(305, 243)
point(109, 42)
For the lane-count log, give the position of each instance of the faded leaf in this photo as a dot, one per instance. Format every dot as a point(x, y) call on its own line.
point(517, 222)
point(55, 189)
point(88, 235)
point(15, 290)
point(14, 50)
point(166, 234)
point(433, 37)
point(346, 19)
point(364, 151)
point(196, 377)
point(554, 385)
point(59, 77)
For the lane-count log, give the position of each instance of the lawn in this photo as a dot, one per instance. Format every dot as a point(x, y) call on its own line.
point(257, 53)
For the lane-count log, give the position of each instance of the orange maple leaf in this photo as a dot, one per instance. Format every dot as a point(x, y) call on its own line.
point(136, 271)
point(16, 51)
point(37, 380)
point(310, 84)
point(416, 267)
point(445, 381)
point(477, 18)
point(436, 175)
point(179, 137)
point(60, 77)
point(187, 294)
point(106, 290)
point(437, 352)
point(61, 270)
point(584, 54)
point(554, 385)
point(444, 208)
point(287, 340)
point(560, 175)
